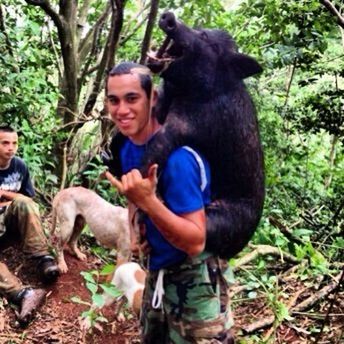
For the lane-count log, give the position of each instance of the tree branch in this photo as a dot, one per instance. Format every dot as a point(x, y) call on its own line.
point(125, 33)
point(331, 306)
point(263, 250)
point(304, 305)
point(314, 298)
point(285, 230)
point(268, 321)
point(118, 25)
point(84, 47)
point(48, 9)
point(332, 9)
point(150, 24)
point(126, 37)
point(82, 16)
point(109, 52)
point(37, 2)
point(55, 52)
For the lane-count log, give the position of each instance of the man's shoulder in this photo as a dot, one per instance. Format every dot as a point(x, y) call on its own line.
point(18, 164)
point(190, 163)
point(184, 155)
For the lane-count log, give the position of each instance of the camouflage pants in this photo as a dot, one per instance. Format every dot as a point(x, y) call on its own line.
point(9, 283)
point(22, 218)
point(195, 306)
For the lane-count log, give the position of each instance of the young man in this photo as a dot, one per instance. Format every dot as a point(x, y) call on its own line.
point(19, 216)
point(182, 301)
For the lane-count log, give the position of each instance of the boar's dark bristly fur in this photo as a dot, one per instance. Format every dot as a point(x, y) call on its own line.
point(204, 104)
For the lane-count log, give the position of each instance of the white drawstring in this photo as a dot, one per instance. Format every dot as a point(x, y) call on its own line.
point(159, 290)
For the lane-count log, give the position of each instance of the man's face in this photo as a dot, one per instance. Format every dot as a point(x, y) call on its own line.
point(8, 146)
point(129, 106)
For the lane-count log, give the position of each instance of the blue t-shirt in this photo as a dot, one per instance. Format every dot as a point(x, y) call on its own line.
point(16, 178)
point(180, 188)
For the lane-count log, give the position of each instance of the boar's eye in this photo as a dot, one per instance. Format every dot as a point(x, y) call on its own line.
point(204, 35)
point(216, 48)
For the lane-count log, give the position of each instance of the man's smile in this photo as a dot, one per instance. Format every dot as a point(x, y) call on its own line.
point(124, 122)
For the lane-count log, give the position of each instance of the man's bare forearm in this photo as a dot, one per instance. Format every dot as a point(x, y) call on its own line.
point(186, 232)
point(5, 204)
point(7, 195)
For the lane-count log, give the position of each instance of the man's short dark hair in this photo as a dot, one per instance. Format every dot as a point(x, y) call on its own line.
point(6, 128)
point(131, 68)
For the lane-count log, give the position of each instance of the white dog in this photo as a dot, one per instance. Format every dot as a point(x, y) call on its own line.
point(75, 206)
point(129, 278)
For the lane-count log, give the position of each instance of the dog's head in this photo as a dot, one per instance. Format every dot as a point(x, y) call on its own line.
point(130, 279)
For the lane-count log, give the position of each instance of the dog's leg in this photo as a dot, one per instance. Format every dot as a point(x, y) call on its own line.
point(61, 262)
point(59, 245)
point(66, 228)
point(73, 242)
point(61, 242)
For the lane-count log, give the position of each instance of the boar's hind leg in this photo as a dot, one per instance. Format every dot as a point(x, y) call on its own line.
point(229, 228)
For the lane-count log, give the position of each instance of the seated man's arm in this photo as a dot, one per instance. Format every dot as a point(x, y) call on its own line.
point(7, 196)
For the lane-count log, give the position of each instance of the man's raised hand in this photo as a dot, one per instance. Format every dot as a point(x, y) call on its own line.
point(137, 189)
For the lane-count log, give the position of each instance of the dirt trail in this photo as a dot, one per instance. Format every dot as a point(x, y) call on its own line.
point(58, 319)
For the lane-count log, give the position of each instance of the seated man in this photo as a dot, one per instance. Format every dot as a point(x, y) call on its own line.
point(19, 217)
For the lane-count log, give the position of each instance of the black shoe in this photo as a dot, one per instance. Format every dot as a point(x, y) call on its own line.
point(29, 301)
point(48, 269)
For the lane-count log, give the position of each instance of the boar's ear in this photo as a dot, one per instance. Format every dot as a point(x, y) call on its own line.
point(244, 65)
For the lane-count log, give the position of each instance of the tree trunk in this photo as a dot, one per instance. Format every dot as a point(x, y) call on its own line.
point(148, 34)
point(108, 58)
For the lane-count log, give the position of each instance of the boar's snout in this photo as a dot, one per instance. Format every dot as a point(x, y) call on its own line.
point(168, 22)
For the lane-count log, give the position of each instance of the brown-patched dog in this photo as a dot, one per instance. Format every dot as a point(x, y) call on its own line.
point(129, 278)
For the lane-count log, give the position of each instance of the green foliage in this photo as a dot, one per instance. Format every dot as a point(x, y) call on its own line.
point(318, 263)
point(286, 30)
point(299, 98)
point(273, 295)
point(94, 286)
point(196, 13)
point(29, 95)
point(321, 111)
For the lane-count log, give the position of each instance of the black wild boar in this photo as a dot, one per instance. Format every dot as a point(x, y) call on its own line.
point(204, 104)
